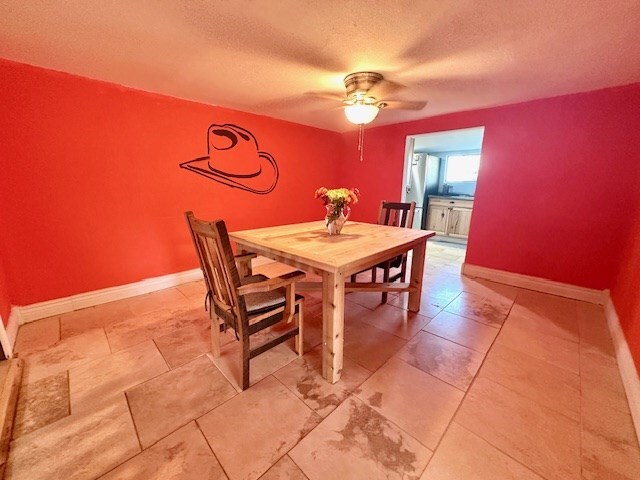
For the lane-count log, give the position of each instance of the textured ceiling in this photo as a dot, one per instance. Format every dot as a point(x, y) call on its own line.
point(262, 56)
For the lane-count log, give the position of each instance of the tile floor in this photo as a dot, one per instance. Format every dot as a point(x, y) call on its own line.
point(488, 381)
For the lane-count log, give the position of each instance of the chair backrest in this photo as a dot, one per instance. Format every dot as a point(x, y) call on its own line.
point(213, 247)
point(396, 214)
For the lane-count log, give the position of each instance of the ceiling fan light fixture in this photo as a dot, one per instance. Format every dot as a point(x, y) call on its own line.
point(361, 114)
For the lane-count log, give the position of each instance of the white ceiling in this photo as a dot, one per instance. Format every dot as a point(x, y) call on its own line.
point(262, 56)
point(449, 141)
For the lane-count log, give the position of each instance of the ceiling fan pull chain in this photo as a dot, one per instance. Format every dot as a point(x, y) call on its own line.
point(361, 141)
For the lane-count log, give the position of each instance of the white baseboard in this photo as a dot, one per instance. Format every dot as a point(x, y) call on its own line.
point(36, 311)
point(626, 365)
point(58, 306)
point(9, 333)
point(535, 283)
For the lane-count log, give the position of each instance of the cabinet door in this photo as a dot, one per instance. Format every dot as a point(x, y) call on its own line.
point(459, 221)
point(437, 219)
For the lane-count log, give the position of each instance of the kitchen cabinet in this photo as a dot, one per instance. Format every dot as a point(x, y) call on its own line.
point(449, 216)
point(459, 221)
point(437, 218)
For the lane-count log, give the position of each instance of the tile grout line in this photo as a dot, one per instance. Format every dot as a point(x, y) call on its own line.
point(294, 462)
point(135, 427)
point(464, 397)
point(111, 352)
point(300, 439)
point(169, 369)
point(209, 445)
point(139, 444)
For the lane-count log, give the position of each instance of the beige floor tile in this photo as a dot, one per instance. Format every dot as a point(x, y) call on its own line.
point(169, 298)
point(429, 306)
point(355, 312)
point(440, 290)
point(499, 292)
point(520, 415)
point(369, 346)
point(356, 442)
point(417, 402)
point(173, 399)
point(76, 447)
point(252, 431)
point(448, 361)
point(41, 403)
point(609, 443)
point(370, 300)
point(100, 380)
point(600, 379)
point(36, 336)
point(100, 316)
point(193, 290)
point(153, 325)
point(469, 333)
point(594, 331)
point(304, 378)
point(538, 380)
point(540, 438)
point(463, 455)
point(184, 344)
point(66, 354)
point(229, 361)
point(183, 455)
point(490, 310)
point(555, 350)
point(395, 320)
point(285, 469)
point(546, 314)
point(312, 326)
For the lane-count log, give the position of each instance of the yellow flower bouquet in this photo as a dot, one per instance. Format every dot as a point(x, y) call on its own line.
point(337, 202)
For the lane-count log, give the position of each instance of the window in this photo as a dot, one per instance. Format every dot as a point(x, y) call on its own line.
point(462, 168)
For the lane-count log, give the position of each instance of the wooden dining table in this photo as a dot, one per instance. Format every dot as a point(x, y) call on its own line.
point(360, 246)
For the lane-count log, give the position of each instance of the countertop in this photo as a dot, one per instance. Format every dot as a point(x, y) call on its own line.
point(452, 197)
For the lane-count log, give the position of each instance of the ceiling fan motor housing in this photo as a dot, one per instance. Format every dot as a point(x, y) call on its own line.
point(359, 83)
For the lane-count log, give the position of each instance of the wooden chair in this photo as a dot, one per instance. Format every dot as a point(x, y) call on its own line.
point(396, 214)
point(246, 304)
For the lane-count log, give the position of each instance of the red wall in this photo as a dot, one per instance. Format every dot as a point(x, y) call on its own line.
point(556, 179)
point(5, 301)
point(626, 290)
point(91, 192)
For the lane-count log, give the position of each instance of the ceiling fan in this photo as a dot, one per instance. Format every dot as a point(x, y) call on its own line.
point(365, 96)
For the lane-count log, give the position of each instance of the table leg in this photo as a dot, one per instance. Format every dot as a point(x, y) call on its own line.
point(244, 268)
point(417, 269)
point(332, 325)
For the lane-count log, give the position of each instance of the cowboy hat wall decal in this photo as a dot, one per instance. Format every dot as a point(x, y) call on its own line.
point(233, 159)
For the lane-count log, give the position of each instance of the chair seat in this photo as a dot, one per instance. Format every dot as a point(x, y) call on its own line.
point(262, 302)
point(394, 263)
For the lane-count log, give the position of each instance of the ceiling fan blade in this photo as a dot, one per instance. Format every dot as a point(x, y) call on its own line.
point(385, 88)
point(402, 105)
point(326, 95)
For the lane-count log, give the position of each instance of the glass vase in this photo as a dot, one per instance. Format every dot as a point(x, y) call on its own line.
point(335, 223)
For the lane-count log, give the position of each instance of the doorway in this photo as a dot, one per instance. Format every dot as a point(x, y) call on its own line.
point(440, 175)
